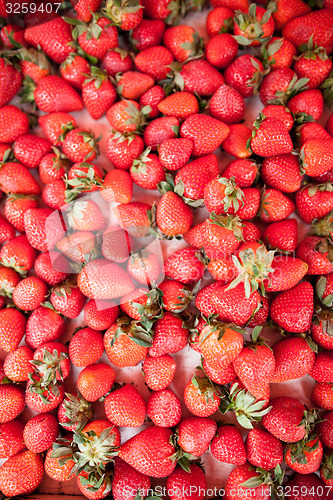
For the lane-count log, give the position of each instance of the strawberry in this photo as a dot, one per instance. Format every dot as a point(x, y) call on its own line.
point(279, 112)
point(309, 483)
point(244, 74)
point(293, 309)
point(228, 446)
point(164, 408)
point(244, 172)
point(219, 20)
point(12, 402)
point(169, 204)
point(147, 171)
point(175, 153)
point(201, 397)
point(279, 53)
point(100, 315)
point(132, 84)
point(21, 474)
point(285, 420)
point(321, 369)
point(255, 366)
point(125, 407)
point(29, 293)
point(17, 365)
point(12, 329)
point(315, 251)
point(95, 380)
point(126, 17)
point(154, 61)
point(37, 225)
point(221, 50)
point(117, 61)
point(308, 102)
point(7, 231)
point(281, 235)
point(317, 156)
point(18, 254)
point(236, 142)
point(275, 206)
point(227, 105)
point(53, 94)
point(74, 69)
point(285, 11)
point(86, 9)
point(98, 93)
point(159, 371)
point(54, 194)
point(53, 37)
point(85, 216)
point(34, 64)
point(80, 145)
point(313, 64)
point(41, 398)
point(170, 335)
point(182, 479)
point(44, 268)
point(196, 175)
point(123, 150)
point(53, 465)
point(141, 452)
point(253, 27)
point(15, 208)
point(99, 36)
point(53, 327)
point(12, 31)
point(321, 395)
point(11, 80)
point(200, 77)
point(116, 281)
point(314, 201)
point(312, 130)
point(15, 178)
point(13, 123)
point(40, 432)
point(152, 98)
point(160, 130)
point(226, 304)
point(316, 25)
point(282, 172)
point(195, 128)
point(180, 104)
point(126, 477)
point(237, 482)
point(74, 412)
point(312, 450)
point(195, 434)
point(278, 85)
point(220, 345)
point(222, 235)
point(133, 217)
point(183, 42)
point(183, 265)
point(50, 360)
point(147, 34)
point(124, 116)
point(86, 347)
point(263, 449)
point(11, 438)
point(121, 346)
point(67, 299)
point(294, 358)
point(55, 124)
point(270, 137)
point(324, 429)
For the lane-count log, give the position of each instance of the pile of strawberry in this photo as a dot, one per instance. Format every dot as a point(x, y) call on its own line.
point(172, 100)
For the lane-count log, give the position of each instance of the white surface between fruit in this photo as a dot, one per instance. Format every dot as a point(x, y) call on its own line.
point(187, 359)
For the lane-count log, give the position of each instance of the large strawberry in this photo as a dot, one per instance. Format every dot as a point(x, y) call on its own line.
point(53, 37)
point(292, 310)
point(316, 25)
point(21, 474)
point(196, 127)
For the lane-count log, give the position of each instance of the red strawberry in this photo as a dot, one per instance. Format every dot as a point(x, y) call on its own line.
point(180, 104)
point(316, 25)
point(315, 251)
point(263, 449)
point(86, 347)
point(243, 171)
point(53, 37)
point(312, 130)
point(226, 304)
point(195, 128)
point(281, 235)
point(201, 397)
point(159, 371)
point(148, 33)
point(17, 365)
point(86, 9)
point(275, 206)
point(309, 483)
point(321, 395)
point(74, 413)
point(152, 98)
point(53, 94)
point(294, 358)
point(293, 309)
point(15, 208)
point(53, 327)
point(29, 293)
point(195, 434)
point(219, 20)
point(278, 85)
point(123, 150)
point(52, 267)
point(98, 37)
point(117, 61)
point(279, 53)
point(312, 450)
point(125, 407)
point(55, 124)
point(182, 479)
point(41, 398)
point(147, 171)
point(11, 80)
point(314, 202)
point(13, 482)
point(141, 451)
point(124, 16)
point(317, 156)
point(41, 232)
point(95, 380)
point(13, 123)
point(310, 102)
point(220, 346)
point(321, 370)
point(282, 172)
point(128, 478)
point(154, 61)
point(13, 324)
point(227, 105)
point(132, 84)
point(12, 31)
point(196, 175)
point(170, 335)
point(18, 254)
point(287, 10)
point(160, 130)
point(285, 420)
point(174, 39)
point(239, 477)
point(74, 69)
point(169, 205)
point(244, 74)
point(253, 27)
point(279, 112)
point(11, 438)
point(270, 137)
point(313, 64)
point(200, 77)
point(228, 446)
point(98, 93)
point(40, 432)
point(236, 142)
point(100, 315)
point(183, 265)
point(68, 300)
point(164, 408)
point(15, 178)
point(221, 50)
point(133, 217)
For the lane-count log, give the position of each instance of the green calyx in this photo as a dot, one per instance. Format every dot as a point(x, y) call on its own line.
point(116, 9)
point(250, 26)
point(233, 194)
point(245, 406)
point(50, 366)
point(78, 411)
point(323, 227)
point(295, 87)
point(83, 181)
point(139, 332)
point(180, 456)
point(40, 386)
point(231, 222)
point(273, 479)
point(205, 388)
point(253, 268)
